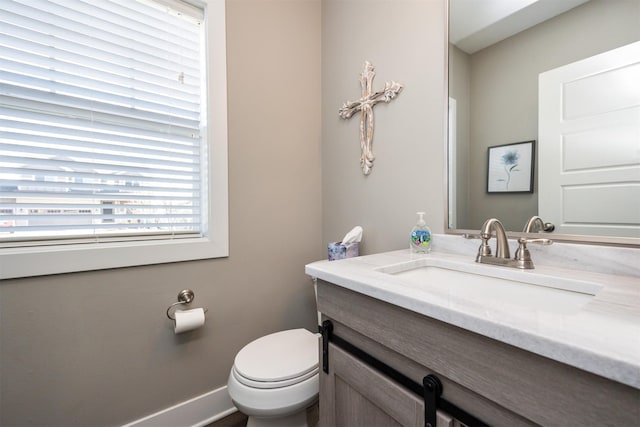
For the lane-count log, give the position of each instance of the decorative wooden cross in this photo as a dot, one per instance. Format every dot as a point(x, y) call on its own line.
point(365, 106)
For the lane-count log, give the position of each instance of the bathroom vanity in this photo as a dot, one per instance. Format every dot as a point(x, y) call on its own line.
point(508, 349)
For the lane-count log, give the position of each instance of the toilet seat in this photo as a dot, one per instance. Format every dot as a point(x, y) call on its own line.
point(272, 384)
point(278, 360)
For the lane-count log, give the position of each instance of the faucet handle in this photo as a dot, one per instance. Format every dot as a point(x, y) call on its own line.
point(484, 250)
point(522, 253)
point(543, 242)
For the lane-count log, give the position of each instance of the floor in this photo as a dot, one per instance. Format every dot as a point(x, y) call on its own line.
point(238, 419)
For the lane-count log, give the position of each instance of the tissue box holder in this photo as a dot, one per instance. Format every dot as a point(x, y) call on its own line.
point(339, 251)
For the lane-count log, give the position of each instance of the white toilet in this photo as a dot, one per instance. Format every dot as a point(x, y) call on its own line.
point(275, 378)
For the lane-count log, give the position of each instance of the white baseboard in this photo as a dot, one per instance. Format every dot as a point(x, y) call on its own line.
point(196, 412)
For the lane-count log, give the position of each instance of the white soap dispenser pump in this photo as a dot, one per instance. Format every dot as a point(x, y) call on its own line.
point(420, 240)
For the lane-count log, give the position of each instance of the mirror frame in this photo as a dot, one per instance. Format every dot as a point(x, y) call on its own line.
point(565, 238)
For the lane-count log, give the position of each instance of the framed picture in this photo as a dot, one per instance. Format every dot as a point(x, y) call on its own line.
point(510, 168)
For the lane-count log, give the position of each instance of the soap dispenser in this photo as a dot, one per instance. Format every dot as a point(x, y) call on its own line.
point(420, 241)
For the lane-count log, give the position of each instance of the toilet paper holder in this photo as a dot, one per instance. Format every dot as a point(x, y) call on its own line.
point(185, 296)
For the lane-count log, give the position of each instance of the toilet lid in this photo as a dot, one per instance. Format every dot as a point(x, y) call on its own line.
point(279, 357)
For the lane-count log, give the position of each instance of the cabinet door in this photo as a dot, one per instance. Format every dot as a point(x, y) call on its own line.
point(353, 394)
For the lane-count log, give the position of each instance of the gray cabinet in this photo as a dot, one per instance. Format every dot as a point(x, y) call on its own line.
point(355, 394)
point(497, 383)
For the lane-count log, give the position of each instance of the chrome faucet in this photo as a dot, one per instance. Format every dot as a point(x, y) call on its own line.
point(537, 222)
point(522, 258)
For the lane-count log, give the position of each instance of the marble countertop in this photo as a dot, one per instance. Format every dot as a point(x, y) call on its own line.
point(600, 334)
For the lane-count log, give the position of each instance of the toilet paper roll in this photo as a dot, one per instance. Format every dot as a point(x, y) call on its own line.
point(188, 320)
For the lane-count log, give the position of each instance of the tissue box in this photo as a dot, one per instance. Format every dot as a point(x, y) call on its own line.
point(339, 251)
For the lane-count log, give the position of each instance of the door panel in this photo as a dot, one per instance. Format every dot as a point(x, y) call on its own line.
point(589, 145)
point(355, 395)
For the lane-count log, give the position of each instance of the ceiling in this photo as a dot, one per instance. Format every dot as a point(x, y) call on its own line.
point(476, 24)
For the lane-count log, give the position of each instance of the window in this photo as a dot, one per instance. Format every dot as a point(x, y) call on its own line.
point(112, 134)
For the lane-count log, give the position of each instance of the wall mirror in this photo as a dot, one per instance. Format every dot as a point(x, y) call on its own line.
point(564, 74)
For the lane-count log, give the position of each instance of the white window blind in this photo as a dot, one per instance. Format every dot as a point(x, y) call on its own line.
point(102, 121)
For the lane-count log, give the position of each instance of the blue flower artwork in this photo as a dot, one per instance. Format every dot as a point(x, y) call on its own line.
point(510, 161)
point(510, 168)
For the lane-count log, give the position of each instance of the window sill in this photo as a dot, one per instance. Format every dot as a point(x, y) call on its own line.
point(40, 261)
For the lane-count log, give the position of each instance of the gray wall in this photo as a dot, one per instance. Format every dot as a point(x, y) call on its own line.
point(404, 40)
point(95, 348)
point(459, 81)
point(504, 92)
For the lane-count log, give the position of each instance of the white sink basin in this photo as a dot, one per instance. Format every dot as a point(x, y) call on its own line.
point(498, 286)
